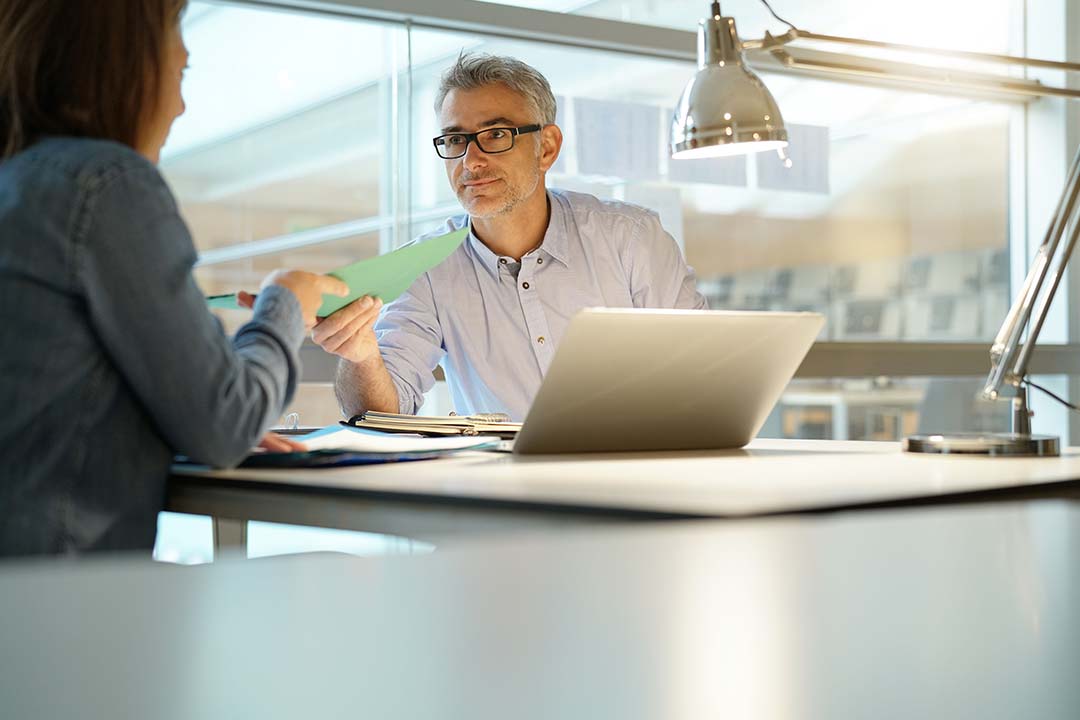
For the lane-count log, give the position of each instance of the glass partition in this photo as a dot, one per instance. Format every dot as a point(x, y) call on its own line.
point(892, 218)
point(289, 117)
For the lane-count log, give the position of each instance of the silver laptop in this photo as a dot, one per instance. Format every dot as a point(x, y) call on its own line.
point(626, 380)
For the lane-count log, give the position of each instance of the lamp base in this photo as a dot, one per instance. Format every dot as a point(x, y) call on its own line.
point(983, 444)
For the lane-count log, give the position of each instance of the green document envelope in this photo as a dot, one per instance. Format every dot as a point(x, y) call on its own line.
point(389, 275)
point(222, 302)
point(384, 277)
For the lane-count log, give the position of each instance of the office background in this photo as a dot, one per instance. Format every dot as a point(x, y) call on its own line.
point(907, 215)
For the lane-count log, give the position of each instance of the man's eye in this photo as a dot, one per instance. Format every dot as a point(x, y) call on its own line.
point(497, 134)
point(454, 140)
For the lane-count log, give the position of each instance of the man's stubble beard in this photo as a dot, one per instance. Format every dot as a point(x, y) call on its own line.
point(513, 198)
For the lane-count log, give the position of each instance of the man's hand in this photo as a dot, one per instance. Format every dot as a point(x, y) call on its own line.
point(349, 333)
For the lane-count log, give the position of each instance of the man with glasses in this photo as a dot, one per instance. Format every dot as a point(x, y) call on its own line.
point(493, 313)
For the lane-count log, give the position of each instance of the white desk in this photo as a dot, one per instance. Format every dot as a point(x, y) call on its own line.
point(482, 491)
point(916, 613)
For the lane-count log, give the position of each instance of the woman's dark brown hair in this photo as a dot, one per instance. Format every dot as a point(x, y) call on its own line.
point(86, 68)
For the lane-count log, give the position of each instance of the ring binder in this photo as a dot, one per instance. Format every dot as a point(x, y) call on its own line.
point(498, 424)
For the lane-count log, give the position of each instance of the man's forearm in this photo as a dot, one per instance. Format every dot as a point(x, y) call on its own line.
point(365, 386)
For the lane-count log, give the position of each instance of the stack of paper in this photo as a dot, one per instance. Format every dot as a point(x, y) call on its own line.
point(341, 437)
point(343, 445)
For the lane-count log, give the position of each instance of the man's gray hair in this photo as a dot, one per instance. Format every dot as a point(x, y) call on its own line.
point(476, 70)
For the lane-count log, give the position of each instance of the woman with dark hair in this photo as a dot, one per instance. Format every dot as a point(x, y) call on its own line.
point(110, 362)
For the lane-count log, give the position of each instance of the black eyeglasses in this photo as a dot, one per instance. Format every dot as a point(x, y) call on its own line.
point(492, 140)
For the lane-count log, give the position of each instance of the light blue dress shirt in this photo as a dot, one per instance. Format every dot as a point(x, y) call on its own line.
point(494, 323)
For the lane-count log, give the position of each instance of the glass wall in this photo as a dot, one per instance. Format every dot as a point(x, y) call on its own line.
point(892, 219)
point(287, 123)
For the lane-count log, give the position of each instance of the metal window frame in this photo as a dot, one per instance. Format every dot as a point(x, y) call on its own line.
point(833, 360)
point(920, 359)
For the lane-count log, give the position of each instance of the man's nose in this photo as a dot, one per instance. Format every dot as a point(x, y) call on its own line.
point(474, 157)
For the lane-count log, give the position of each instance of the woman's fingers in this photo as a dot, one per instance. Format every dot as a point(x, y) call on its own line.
point(272, 442)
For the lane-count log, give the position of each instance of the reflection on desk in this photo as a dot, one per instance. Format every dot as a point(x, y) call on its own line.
point(898, 614)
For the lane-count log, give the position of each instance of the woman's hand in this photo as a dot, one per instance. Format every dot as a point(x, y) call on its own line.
point(272, 442)
point(308, 288)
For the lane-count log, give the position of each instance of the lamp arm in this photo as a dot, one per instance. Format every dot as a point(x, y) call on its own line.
point(771, 41)
point(1007, 342)
point(1063, 219)
point(1010, 354)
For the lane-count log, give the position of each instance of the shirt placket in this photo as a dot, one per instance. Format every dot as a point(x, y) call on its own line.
point(529, 282)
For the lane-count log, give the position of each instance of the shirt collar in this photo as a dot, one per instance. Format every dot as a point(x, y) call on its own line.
point(487, 258)
point(554, 243)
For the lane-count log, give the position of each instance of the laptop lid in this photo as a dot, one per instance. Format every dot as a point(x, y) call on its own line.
point(630, 379)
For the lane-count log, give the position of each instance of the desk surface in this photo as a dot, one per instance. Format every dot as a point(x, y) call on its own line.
point(769, 476)
point(931, 612)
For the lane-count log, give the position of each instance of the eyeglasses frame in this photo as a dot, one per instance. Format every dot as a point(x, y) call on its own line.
point(471, 138)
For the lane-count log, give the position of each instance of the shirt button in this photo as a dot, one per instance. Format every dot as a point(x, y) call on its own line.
point(540, 339)
point(525, 285)
point(502, 261)
point(539, 261)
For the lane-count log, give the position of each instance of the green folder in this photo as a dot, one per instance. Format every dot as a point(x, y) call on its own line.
point(223, 302)
point(385, 277)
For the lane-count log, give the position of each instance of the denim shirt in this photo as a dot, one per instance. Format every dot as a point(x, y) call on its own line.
point(110, 362)
point(495, 323)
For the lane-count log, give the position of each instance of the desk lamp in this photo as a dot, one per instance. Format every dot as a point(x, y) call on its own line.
point(725, 109)
point(1011, 352)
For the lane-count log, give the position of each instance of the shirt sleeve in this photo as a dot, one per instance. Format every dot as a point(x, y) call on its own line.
point(410, 340)
point(659, 276)
point(211, 397)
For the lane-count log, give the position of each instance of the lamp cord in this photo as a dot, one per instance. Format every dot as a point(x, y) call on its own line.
point(773, 13)
point(1060, 399)
point(715, 10)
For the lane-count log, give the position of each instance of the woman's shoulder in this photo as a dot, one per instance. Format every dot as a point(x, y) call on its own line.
point(72, 185)
point(86, 161)
point(83, 151)
point(84, 175)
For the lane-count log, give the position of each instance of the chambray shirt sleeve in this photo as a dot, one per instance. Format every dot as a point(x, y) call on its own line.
point(410, 340)
point(659, 276)
point(211, 397)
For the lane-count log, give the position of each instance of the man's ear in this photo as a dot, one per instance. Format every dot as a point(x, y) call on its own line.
point(550, 145)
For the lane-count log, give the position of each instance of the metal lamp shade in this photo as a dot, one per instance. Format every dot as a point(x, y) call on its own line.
point(725, 108)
